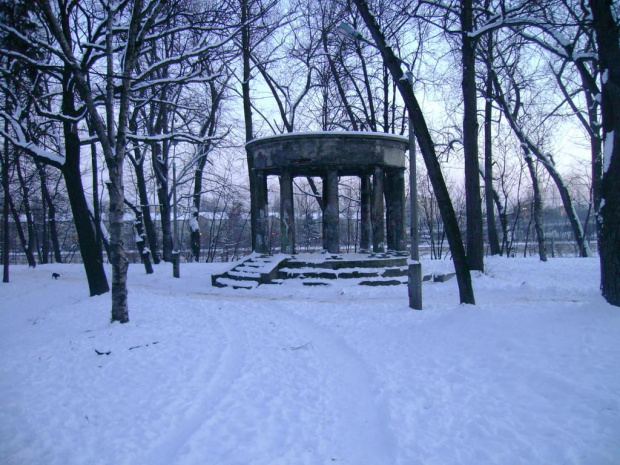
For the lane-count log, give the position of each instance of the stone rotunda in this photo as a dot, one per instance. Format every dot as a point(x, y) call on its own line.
point(378, 159)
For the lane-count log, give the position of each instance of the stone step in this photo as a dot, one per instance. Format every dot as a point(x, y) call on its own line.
point(315, 283)
point(243, 275)
point(234, 283)
point(378, 262)
point(257, 270)
point(383, 282)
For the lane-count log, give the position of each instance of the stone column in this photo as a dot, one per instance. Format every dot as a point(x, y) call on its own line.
point(399, 220)
point(377, 207)
point(390, 217)
point(331, 216)
point(323, 207)
point(365, 220)
point(260, 239)
point(395, 210)
point(287, 217)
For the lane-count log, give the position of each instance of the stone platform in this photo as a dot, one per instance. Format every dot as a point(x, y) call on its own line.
point(317, 269)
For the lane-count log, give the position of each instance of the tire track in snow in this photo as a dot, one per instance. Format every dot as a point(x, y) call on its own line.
point(342, 415)
point(359, 423)
point(228, 368)
point(319, 405)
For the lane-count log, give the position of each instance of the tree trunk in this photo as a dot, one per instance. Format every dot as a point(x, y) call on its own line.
point(160, 166)
point(247, 70)
point(31, 240)
point(118, 258)
point(6, 236)
point(95, 273)
point(386, 100)
point(256, 223)
point(87, 240)
point(488, 154)
point(607, 38)
point(537, 213)
point(45, 240)
point(51, 212)
point(114, 160)
point(195, 234)
point(341, 92)
point(149, 227)
point(194, 226)
point(475, 236)
point(96, 207)
point(596, 148)
point(20, 232)
point(427, 148)
point(209, 129)
point(503, 220)
point(145, 254)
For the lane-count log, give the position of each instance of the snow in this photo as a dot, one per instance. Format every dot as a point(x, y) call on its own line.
point(104, 231)
point(20, 140)
point(193, 224)
point(291, 374)
point(360, 134)
point(608, 147)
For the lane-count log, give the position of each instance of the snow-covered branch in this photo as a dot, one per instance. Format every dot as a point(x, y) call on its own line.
point(21, 140)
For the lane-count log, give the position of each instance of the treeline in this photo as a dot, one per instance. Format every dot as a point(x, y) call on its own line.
point(110, 109)
point(224, 224)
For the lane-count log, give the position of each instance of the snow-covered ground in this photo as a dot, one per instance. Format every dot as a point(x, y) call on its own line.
point(297, 375)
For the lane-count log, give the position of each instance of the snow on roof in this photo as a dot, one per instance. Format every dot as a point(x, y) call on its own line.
point(360, 134)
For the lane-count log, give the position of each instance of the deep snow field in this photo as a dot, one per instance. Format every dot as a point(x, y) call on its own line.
point(290, 374)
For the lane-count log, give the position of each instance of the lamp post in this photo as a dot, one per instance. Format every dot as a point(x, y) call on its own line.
point(415, 268)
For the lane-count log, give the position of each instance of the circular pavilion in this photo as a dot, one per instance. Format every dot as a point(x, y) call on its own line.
point(378, 159)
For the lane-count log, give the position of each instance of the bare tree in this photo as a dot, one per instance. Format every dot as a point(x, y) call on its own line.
point(605, 23)
point(209, 128)
point(49, 216)
point(475, 239)
point(34, 78)
point(511, 113)
point(562, 29)
point(488, 146)
point(137, 19)
point(256, 27)
point(428, 153)
point(537, 207)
